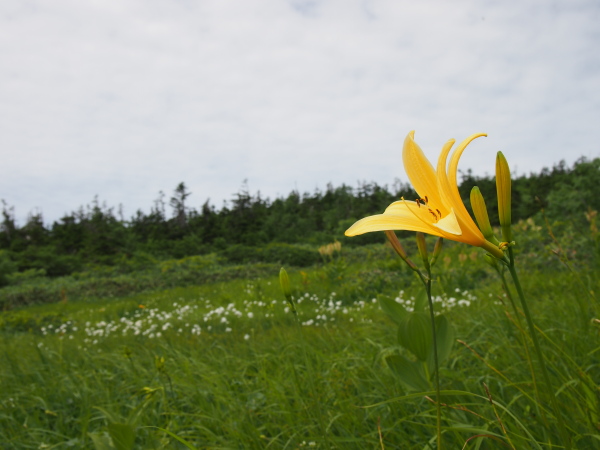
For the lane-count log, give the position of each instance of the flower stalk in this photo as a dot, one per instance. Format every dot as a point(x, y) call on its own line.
point(426, 280)
point(427, 283)
point(503, 189)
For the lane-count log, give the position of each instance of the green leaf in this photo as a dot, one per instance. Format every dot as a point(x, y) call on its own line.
point(394, 310)
point(177, 438)
point(408, 372)
point(421, 301)
point(592, 402)
point(414, 334)
point(122, 434)
point(445, 340)
point(101, 441)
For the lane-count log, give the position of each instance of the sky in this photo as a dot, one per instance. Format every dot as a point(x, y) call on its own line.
point(121, 99)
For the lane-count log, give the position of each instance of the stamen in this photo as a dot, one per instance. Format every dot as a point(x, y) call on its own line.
point(418, 216)
point(415, 214)
point(418, 200)
point(434, 215)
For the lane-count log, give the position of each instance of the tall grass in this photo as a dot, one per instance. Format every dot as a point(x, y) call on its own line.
point(232, 369)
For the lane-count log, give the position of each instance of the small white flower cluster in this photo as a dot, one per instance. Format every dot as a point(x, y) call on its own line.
point(8, 403)
point(61, 330)
point(148, 322)
point(442, 302)
point(328, 309)
point(195, 317)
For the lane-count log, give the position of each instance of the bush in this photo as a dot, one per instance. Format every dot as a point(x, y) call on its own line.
point(189, 245)
point(290, 255)
point(7, 267)
point(287, 254)
point(49, 259)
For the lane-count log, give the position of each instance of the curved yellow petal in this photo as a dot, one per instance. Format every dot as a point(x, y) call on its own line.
point(449, 224)
point(384, 222)
point(419, 170)
point(425, 214)
point(406, 207)
point(401, 215)
point(453, 167)
point(447, 183)
point(442, 178)
point(407, 215)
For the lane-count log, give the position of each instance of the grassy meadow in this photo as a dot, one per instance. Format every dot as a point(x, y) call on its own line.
point(202, 353)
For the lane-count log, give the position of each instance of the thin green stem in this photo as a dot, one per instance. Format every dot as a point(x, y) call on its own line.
point(548, 387)
point(427, 283)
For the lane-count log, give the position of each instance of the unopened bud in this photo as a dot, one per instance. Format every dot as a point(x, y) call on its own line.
point(481, 215)
point(422, 245)
point(286, 288)
point(503, 187)
point(437, 250)
point(493, 262)
point(397, 246)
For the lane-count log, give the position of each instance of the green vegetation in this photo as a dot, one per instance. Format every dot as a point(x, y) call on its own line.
point(223, 364)
point(154, 343)
point(98, 235)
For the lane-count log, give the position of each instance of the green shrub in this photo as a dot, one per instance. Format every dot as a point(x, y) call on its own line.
point(7, 267)
point(26, 276)
point(24, 321)
point(290, 255)
point(286, 254)
point(49, 259)
point(189, 245)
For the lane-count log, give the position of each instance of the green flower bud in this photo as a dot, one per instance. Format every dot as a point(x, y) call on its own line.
point(503, 187)
point(286, 288)
point(493, 262)
point(481, 215)
point(422, 245)
point(437, 250)
point(397, 246)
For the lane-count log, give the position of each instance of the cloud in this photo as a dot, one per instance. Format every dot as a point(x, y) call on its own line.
point(126, 98)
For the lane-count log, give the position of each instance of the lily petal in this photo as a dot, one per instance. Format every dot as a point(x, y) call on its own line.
point(411, 209)
point(450, 224)
point(397, 216)
point(441, 176)
point(447, 182)
point(419, 170)
point(453, 172)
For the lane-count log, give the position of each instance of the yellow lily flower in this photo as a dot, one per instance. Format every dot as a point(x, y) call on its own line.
point(439, 211)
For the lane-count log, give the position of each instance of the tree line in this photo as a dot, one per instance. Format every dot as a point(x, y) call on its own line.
point(97, 234)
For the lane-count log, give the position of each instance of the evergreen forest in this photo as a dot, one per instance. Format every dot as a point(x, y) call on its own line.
point(97, 234)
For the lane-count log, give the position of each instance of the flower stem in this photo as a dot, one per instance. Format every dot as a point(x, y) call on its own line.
point(548, 387)
point(427, 282)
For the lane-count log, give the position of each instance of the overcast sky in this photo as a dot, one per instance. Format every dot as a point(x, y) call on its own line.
point(125, 98)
